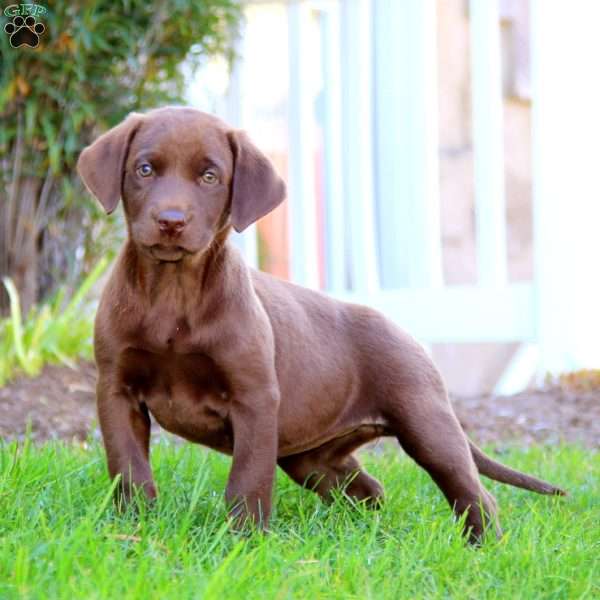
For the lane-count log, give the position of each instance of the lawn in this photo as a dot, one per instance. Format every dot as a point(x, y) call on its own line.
point(62, 538)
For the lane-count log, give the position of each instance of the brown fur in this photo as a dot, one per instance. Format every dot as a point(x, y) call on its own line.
point(240, 361)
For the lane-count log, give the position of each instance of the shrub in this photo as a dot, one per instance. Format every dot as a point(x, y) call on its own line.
point(96, 61)
point(51, 333)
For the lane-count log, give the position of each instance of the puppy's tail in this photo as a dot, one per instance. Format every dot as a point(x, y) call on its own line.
point(499, 472)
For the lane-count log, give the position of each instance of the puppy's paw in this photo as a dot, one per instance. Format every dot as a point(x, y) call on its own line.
point(244, 521)
point(128, 495)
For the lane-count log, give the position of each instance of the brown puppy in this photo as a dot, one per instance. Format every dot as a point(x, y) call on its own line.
point(239, 361)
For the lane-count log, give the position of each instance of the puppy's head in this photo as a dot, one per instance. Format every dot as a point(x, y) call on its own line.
point(183, 175)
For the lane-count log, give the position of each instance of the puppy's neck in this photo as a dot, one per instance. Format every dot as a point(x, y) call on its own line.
point(194, 274)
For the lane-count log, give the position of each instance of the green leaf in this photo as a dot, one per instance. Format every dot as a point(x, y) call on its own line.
point(17, 325)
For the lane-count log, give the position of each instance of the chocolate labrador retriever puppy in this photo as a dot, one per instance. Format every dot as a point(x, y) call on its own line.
point(242, 362)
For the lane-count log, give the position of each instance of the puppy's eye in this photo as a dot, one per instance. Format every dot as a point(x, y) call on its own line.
point(209, 177)
point(145, 170)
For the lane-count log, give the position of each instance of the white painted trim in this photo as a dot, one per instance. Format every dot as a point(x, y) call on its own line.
point(406, 143)
point(302, 209)
point(488, 142)
point(335, 239)
point(457, 314)
point(246, 241)
point(566, 185)
point(521, 371)
point(357, 139)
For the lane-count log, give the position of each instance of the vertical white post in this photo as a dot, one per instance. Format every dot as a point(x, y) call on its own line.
point(233, 99)
point(247, 240)
point(566, 192)
point(301, 179)
point(488, 145)
point(357, 138)
point(407, 142)
point(335, 249)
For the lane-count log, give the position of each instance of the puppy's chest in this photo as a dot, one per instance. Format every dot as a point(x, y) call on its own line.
point(186, 393)
point(167, 331)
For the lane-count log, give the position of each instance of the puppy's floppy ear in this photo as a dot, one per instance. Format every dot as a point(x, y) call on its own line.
point(256, 189)
point(101, 165)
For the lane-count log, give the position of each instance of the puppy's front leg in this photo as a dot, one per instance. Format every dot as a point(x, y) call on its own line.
point(125, 426)
point(255, 439)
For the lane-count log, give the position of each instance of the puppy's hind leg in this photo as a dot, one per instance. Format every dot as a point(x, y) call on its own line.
point(428, 430)
point(323, 478)
point(332, 466)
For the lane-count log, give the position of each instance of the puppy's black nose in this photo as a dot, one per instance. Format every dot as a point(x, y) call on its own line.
point(171, 221)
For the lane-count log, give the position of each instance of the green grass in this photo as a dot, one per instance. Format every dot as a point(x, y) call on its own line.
point(54, 332)
point(60, 536)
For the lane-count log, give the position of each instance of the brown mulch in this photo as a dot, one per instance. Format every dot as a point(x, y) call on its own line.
point(552, 415)
point(59, 404)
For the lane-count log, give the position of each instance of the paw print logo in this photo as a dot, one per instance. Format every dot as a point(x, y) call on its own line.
point(24, 31)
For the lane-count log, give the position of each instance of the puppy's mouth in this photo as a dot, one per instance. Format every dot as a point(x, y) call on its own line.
point(167, 253)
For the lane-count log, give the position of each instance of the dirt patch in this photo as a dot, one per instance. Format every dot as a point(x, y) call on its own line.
point(551, 416)
point(60, 404)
